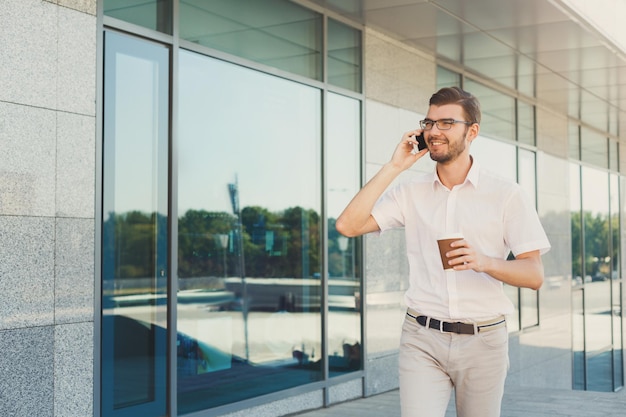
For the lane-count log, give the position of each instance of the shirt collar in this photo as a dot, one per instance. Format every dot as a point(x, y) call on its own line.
point(471, 178)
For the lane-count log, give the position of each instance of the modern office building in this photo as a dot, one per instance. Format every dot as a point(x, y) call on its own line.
point(171, 171)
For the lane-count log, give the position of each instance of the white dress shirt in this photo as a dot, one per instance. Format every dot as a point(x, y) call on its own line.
point(494, 216)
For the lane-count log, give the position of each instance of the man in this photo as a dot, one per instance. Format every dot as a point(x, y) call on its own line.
point(493, 215)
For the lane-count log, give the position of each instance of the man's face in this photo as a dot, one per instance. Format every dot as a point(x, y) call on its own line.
point(446, 145)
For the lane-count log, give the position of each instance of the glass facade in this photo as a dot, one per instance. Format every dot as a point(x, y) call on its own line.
point(597, 282)
point(515, 164)
point(264, 294)
point(597, 336)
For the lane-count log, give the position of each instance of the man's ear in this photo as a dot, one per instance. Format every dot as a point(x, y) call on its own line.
point(472, 132)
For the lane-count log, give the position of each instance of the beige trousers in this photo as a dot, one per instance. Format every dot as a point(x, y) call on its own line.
point(432, 363)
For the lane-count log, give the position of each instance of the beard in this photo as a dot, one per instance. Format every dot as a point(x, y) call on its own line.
point(456, 147)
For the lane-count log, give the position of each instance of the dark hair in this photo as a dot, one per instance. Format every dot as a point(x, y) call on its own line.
point(455, 95)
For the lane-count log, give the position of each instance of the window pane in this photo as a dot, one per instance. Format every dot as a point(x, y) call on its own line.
point(447, 78)
point(525, 123)
point(249, 263)
point(498, 111)
point(593, 148)
point(616, 282)
point(277, 33)
point(598, 331)
point(613, 155)
point(613, 120)
point(576, 225)
point(526, 173)
point(134, 228)
point(151, 14)
point(344, 272)
point(344, 56)
point(499, 157)
point(578, 340)
point(574, 141)
point(593, 110)
point(578, 311)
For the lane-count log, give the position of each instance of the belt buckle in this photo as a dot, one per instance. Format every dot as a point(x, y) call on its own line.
point(441, 326)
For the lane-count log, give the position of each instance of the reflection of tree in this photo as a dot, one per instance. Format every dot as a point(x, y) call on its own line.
point(198, 250)
point(276, 244)
point(340, 263)
point(130, 242)
point(282, 244)
point(601, 243)
point(285, 244)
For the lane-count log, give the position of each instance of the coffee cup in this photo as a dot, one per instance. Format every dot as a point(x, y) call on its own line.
point(444, 242)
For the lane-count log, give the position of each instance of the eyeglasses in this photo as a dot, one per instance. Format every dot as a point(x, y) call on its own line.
point(442, 124)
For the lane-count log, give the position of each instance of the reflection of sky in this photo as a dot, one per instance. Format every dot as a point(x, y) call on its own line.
point(497, 157)
point(229, 129)
point(505, 160)
point(136, 83)
point(343, 152)
point(134, 133)
point(595, 191)
point(235, 124)
point(595, 188)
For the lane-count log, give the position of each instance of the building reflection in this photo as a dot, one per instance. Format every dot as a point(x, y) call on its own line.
point(237, 328)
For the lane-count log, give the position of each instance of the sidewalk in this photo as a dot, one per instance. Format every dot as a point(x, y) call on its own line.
point(518, 402)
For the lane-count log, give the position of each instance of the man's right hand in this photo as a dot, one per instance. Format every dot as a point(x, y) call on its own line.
point(405, 154)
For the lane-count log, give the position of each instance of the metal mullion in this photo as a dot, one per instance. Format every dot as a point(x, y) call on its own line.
point(362, 245)
point(324, 169)
point(172, 299)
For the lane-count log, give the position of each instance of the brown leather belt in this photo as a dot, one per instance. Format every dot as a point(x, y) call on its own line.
point(456, 327)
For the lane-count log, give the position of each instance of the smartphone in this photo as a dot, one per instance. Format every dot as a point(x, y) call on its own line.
point(421, 142)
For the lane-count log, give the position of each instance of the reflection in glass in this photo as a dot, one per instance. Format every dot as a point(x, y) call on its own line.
point(578, 312)
point(151, 14)
point(576, 225)
point(525, 123)
point(579, 376)
point(597, 261)
point(249, 258)
point(526, 177)
point(526, 76)
point(344, 56)
point(594, 148)
point(447, 78)
point(499, 157)
point(277, 33)
point(574, 141)
point(618, 337)
point(496, 156)
point(594, 111)
point(616, 283)
point(498, 111)
point(613, 155)
point(344, 273)
point(134, 227)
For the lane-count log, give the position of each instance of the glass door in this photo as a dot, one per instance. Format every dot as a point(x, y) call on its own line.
point(134, 227)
